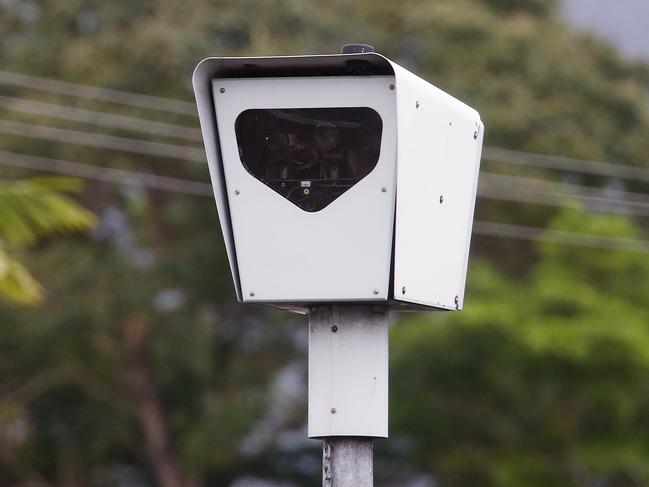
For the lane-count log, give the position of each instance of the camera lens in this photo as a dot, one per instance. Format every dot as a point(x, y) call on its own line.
point(327, 136)
point(276, 141)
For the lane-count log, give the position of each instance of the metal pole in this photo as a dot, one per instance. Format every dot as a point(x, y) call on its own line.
point(347, 462)
point(348, 388)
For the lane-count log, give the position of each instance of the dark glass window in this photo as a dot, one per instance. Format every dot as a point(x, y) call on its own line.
point(309, 155)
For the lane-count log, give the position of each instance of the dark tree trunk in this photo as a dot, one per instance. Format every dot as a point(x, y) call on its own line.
point(142, 388)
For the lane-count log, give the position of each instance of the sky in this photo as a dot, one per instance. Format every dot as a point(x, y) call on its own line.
point(625, 23)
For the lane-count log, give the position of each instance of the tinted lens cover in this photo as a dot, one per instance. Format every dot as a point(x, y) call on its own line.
point(310, 156)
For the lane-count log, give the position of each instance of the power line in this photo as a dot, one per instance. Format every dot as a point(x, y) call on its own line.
point(560, 237)
point(110, 175)
point(101, 119)
point(515, 187)
point(556, 201)
point(96, 93)
point(102, 141)
point(601, 200)
point(492, 186)
point(525, 189)
point(118, 176)
point(568, 189)
point(187, 108)
point(537, 191)
point(565, 164)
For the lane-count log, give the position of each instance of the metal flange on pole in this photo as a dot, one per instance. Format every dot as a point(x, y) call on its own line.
point(348, 389)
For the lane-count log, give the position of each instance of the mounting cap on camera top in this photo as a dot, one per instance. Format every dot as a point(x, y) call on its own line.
point(356, 48)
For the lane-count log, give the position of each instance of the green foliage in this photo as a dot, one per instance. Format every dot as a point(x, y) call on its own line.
point(532, 6)
point(541, 381)
point(31, 209)
point(35, 207)
point(16, 283)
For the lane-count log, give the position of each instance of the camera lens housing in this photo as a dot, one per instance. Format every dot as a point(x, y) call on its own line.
point(327, 150)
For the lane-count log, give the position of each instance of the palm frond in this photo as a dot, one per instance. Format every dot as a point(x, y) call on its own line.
point(17, 286)
point(33, 208)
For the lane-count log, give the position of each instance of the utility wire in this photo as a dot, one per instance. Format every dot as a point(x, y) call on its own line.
point(492, 186)
point(96, 93)
point(102, 141)
point(562, 187)
point(110, 175)
point(187, 108)
point(557, 201)
point(565, 164)
point(560, 237)
point(537, 191)
point(101, 119)
point(184, 186)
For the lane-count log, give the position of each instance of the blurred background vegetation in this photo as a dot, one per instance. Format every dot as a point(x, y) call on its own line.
point(138, 368)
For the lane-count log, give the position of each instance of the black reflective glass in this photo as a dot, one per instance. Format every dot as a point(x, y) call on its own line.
point(309, 155)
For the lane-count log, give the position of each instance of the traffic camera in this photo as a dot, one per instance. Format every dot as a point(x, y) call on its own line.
point(339, 178)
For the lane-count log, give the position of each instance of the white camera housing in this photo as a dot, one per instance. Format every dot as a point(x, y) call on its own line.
point(327, 211)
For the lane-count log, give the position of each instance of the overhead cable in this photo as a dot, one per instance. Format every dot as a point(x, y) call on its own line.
point(566, 164)
point(118, 176)
point(559, 236)
point(102, 141)
point(101, 119)
point(187, 108)
point(110, 175)
point(538, 191)
point(97, 93)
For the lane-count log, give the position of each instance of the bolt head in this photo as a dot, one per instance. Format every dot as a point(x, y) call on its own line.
point(403, 290)
point(333, 410)
point(417, 104)
point(252, 294)
point(392, 87)
point(222, 90)
point(384, 189)
point(237, 192)
point(334, 328)
point(376, 291)
point(441, 198)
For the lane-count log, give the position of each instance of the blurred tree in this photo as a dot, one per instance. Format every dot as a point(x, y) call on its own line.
point(539, 382)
